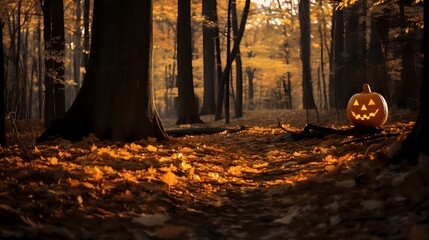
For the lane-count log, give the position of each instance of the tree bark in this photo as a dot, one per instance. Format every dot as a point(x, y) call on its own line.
point(377, 75)
point(187, 106)
point(307, 87)
point(238, 67)
point(225, 73)
point(409, 90)
point(337, 59)
point(40, 69)
point(53, 13)
point(86, 44)
point(77, 55)
point(116, 97)
point(2, 90)
point(353, 79)
point(417, 140)
point(209, 36)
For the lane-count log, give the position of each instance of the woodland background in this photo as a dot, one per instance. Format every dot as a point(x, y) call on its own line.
point(351, 42)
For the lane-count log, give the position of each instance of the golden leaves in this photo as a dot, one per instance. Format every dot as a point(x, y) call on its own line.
point(151, 148)
point(169, 178)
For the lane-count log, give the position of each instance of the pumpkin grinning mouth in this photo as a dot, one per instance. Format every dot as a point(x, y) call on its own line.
point(364, 117)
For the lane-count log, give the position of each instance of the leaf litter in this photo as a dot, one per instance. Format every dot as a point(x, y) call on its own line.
point(254, 184)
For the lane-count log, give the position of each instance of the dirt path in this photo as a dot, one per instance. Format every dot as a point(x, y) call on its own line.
point(255, 184)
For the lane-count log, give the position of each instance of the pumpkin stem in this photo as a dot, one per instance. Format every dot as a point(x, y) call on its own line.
point(366, 88)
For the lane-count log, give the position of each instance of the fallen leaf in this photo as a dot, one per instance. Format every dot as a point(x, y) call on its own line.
point(152, 219)
point(151, 148)
point(185, 166)
point(372, 204)
point(36, 151)
point(53, 160)
point(169, 178)
point(346, 183)
point(419, 232)
point(170, 231)
point(289, 216)
point(334, 220)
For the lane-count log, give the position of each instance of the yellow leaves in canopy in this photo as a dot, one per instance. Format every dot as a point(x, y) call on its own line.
point(346, 3)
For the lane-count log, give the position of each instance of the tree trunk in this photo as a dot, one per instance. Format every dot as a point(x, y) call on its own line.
point(353, 79)
point(307, 87)
point(250, 76)
point(417, 140)
point(187, 106)
point(40, 68)
point(86, 46)
point(18, 78)
point(116, 97)
point(24, 106)
point(409, 94)
point(337, 59)
point(209, 36)
point(228, 73)
point(225, 75)
point(238, 67)
point(322, 32)
point(77, 55)
point(377, 72)
point(54, 61)
point(2, 90)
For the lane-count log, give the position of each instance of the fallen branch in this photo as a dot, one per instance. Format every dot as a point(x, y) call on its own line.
point(199, 131)
point(12, 117)
point(314, 131)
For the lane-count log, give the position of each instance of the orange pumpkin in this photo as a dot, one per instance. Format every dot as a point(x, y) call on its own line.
point(367, 109)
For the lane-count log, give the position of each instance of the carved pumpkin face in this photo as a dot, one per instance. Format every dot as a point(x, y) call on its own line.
point(367, 109)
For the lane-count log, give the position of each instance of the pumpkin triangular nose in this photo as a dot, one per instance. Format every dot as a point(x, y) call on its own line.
point(363, 108)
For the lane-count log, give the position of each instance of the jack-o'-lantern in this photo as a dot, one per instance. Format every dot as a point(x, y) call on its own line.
point(367, 109)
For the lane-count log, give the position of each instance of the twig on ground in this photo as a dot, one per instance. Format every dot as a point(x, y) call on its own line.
point(12, 117)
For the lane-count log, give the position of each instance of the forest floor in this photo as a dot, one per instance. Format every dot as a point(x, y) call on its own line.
point(258, 183)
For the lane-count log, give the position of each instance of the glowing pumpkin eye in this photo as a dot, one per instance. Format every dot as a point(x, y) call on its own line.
point(371, 102)
point(356, 103)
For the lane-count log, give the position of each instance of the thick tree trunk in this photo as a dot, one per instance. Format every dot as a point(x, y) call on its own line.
point(53, 14)
point(187, 106)
point(307, 87)
point(209, 36)
point(116, 97)
point(2, 90)
point(418, 140)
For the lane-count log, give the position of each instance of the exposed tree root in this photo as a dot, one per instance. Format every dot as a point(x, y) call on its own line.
point(200, 131)
point(314, 131)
